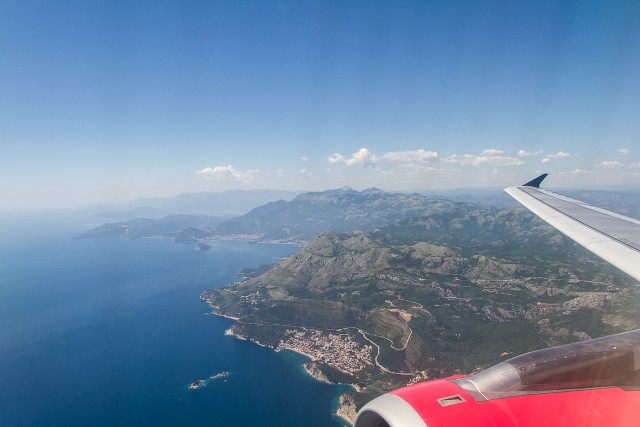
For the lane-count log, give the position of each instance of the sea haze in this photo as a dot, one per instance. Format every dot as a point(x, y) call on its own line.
point(111, 332)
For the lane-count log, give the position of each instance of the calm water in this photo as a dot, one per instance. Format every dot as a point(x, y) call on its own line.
point(111, 333)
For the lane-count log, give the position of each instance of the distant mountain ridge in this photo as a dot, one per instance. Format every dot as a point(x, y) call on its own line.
point(187, 217)
point(303, 218)
point(311, 214)
point(180, 227)
point(342, 210)
point(308, 215)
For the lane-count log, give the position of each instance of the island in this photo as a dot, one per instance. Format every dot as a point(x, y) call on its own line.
point(202, 247)
point(195, 385)
point(220, 375)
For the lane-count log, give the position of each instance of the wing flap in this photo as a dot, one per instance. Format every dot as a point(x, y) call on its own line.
point(613, 237)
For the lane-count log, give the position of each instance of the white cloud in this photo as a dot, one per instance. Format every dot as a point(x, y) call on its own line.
point(279, 172)
point(580, 171)
point(523, 153)
point(417, 156)
point(624, 152)
point(635, 165)
point(479, 160)
point(304, 158)
point(336, 158)
point(491, 152)
point(609, 164)
point(227, 173)
point(558, 155)
point(363, 157)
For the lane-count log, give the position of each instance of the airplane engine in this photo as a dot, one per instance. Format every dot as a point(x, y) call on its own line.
point(590, 383)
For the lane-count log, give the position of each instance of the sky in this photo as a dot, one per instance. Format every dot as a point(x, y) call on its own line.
point(112, 100)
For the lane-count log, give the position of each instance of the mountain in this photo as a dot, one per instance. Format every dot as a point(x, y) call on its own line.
point(345, 209)
point(182, 227)
point(187, 217)
point(455, 288)
point(342, 210)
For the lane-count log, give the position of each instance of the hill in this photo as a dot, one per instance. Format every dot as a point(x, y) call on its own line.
point(181, 227)
point(455, 289)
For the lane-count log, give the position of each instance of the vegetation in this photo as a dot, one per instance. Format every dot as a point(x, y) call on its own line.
point(455, 290)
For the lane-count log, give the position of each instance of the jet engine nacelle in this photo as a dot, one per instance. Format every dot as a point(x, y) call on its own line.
point(590, 383)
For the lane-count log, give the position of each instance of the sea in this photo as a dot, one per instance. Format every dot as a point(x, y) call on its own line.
point(112, 332)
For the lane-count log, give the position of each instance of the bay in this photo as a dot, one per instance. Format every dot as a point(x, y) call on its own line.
point(111, 333)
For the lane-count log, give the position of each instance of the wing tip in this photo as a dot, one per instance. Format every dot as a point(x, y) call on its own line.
point(536, 181)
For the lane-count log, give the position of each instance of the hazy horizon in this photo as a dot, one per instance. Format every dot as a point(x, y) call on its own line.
point(138, 201)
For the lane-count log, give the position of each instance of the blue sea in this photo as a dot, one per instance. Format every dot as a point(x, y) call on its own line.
point(111, 333)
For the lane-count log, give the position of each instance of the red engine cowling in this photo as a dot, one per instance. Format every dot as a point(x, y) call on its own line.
point(591, 383)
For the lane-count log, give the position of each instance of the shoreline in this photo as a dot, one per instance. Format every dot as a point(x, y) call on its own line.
point(344, 409)
point(231, 332)
point(279, 349)
point(253, 240)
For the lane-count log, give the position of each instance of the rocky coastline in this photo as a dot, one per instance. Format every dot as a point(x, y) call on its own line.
point(346, 409)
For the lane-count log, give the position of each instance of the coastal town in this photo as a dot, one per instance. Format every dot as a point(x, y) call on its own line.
point(338, 350)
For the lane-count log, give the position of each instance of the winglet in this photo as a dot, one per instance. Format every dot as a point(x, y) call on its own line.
point(536, 181)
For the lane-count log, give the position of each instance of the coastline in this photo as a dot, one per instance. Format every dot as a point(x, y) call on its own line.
point(344, 408)
point(231, 332)
point(311, 358)
point(255, 239)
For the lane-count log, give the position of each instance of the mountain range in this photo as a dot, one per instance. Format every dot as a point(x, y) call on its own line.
point(417, 287)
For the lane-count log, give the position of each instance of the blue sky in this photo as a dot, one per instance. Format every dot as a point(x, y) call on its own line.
point(112, 100)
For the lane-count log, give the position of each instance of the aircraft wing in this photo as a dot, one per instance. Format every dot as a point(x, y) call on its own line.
point(613, 237)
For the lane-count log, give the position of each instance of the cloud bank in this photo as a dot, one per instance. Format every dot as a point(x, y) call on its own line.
point(363, 157)
point(490, 156)
point(227, 174)
point(416, 156)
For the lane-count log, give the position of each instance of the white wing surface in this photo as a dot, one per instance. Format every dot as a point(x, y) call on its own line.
point(613, 237)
